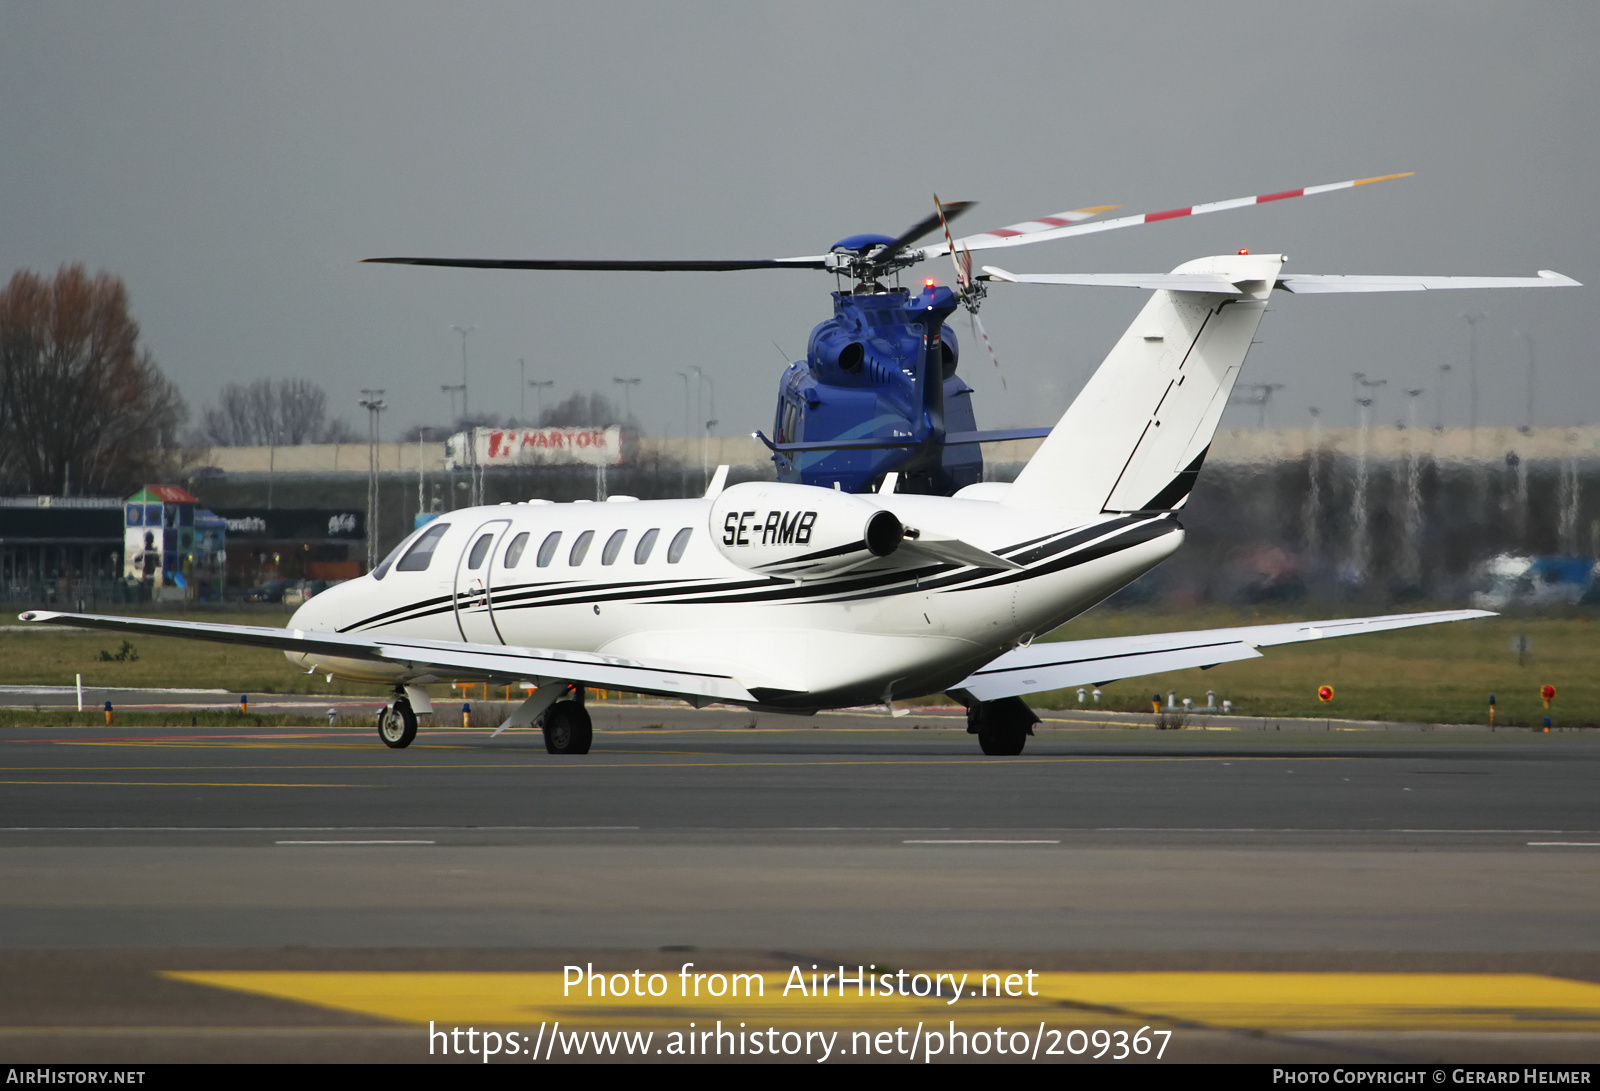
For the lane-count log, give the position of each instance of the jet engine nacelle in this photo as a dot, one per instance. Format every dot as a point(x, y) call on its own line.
point(800, 532)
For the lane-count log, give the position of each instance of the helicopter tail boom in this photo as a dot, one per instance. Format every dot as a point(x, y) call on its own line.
point(1136, 435)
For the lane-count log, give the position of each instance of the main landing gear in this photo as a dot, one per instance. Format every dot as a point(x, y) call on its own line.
point(567, 728)
point(1002, 726)
point(397, 724)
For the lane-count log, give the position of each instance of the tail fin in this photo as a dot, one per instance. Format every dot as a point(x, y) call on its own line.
point(1135, 437)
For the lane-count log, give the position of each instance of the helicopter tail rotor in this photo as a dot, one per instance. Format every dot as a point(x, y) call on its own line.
point(970, 291)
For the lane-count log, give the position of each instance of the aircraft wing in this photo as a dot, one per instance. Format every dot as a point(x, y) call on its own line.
point(441, 658)
point(1059, 665)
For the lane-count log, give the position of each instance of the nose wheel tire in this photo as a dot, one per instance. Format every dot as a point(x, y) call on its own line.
point(567, 729)
point(397, 724)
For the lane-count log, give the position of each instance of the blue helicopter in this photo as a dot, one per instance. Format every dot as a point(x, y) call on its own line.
point(878, 391)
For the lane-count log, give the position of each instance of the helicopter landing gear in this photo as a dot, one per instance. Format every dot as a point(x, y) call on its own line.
point(567, 728)
point(1002, 726)
point(397, 724)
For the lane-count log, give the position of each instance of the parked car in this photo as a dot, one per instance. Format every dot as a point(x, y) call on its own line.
point(270, 591)
point(1511, 580)
point(297, 593)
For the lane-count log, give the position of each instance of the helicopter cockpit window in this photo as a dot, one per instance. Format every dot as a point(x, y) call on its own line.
point(647, 542)
point(547, 548)
point(580, 548)
point(480, 550)
point(608, 555)
point(680, 542)
point(514, 550)
point(421, 552)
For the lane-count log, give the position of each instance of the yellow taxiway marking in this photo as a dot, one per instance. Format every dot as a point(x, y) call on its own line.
point(178, 784)
point(1342, 1001)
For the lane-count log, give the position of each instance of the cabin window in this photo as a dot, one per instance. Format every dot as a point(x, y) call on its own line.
point(613, 547)
point(480, 550)
point(514, 550)
point(641, 552)
point(680, 542)
point(421, 551)
point(136, 515)
point(547, 549)
point(580, 548)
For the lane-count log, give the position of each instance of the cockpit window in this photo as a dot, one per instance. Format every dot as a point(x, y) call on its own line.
point(383, 568)
point(547, 549)
point(421, 552)
point(514, 550)
point(680, 542)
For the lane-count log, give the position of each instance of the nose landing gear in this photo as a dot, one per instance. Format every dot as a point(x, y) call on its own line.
point(397, 724)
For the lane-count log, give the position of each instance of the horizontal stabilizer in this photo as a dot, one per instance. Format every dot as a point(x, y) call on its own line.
point(1038, 668)
point(953, 551)
point(1293, 283)
point(1318, 284)
point(994, 435)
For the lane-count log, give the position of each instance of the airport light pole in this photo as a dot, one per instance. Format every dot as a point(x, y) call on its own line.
point(1313, 510)
point(1264, 392)
point(683, 474)
point(1527, 339)
point(463, 331)
point(472, 446)
point(539, 387)
point(1411, 556)
point(1472, 318)
point(1360, 548)
point(627, 400)
point(372, 402)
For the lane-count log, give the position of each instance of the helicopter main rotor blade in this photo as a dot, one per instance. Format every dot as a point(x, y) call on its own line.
point(610, 266)
point(992, 239)
point(922, 227)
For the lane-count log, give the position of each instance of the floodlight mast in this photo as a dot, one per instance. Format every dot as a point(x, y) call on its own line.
point(372, 401)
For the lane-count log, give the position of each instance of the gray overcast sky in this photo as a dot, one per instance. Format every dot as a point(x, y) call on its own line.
point(232, 162)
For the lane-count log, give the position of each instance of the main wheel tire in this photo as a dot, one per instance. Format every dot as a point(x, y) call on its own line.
point(397, 725)
point(568, 729)
point(1002, 740)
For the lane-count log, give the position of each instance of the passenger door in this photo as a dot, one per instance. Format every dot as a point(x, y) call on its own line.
point(475, 576)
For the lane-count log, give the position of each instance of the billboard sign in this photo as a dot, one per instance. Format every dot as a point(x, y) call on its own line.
point(537, 447)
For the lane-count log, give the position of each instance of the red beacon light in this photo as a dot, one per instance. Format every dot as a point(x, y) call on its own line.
point(1242, 253)
point(929, 283)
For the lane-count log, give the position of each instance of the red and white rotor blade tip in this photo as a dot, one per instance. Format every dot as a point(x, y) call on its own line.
point(992, 239)
point(979, 331)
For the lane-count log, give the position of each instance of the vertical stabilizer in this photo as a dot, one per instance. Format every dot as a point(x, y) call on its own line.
point(1134, 438)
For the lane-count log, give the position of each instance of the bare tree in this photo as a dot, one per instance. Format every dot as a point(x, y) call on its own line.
point(286, 413)
point(581, 410)
point(82, 407)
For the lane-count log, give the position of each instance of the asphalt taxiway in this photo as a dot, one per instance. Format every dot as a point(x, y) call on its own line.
point(723, 838)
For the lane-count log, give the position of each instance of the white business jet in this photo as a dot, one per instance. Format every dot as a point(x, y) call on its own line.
point(794, 598)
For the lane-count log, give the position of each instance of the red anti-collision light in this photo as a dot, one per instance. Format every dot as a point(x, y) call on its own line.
point(1242, 253)
point(929, 283)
